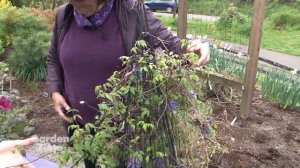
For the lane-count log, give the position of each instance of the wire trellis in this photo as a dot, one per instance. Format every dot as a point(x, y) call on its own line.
point(224, 23)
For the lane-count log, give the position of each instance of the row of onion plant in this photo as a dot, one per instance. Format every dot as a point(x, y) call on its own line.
point(275, 84)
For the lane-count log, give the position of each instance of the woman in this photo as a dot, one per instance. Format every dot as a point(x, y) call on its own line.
point(88, 38)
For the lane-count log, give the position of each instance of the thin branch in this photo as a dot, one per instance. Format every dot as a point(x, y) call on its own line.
point(21, 165)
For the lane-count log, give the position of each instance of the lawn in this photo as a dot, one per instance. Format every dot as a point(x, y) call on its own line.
point(285, 40)
point(281, 27)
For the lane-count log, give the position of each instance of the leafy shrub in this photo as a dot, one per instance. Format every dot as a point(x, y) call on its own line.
point(230, 16)
point(50, 4)
point(284, 20)
point(27, 34)
point(12, 120)
point(18, 22)
point(48, 16)
point(233, 20)
point(12, 116)
point(4, 4)
point(3, 69)
point(28, 59)
point(1, 47)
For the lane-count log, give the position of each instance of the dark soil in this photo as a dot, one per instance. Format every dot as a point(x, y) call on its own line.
point(269, 138)
point(42, 116)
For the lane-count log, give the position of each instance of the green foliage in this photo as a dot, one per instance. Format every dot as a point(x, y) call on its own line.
point(4, 67)
point(139, 121)
point(278, 86)
point(228, 65)
point(4, 7)
point(50, 4)
point(281, 87)
point(281, 40)
point(1, 47)
point(17, 3)
point(215, 7)
point(284, 20)
point(27, 35)
point(12, 117)
point(4, 4)
point(6, 117)
point(231, 18)
point(28, 60)
point(18, 22)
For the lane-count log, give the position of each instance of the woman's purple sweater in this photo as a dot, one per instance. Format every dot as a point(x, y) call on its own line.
point(84, 59)
point(88, 58)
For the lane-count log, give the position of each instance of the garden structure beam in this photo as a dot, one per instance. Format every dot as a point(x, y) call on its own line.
point(182, 19)
point(253, 53)
point(218, 78)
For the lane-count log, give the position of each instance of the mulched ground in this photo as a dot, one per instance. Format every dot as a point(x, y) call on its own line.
point(269, 138)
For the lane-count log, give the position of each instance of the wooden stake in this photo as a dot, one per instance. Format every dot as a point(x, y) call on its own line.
point(175, 8)
point(253, 53)
point(182, 19)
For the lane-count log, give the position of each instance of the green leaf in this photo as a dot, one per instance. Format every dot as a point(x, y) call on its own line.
point(160, 154)
point(132, 90)
point(134, 50)
point(145, 113)
point(147, 159)
point(109, 97)
point(103, 107)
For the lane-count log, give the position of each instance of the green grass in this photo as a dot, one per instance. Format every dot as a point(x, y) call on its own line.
point(215, 7)
point(282, 41)
point(281, 31)
point(205, 28)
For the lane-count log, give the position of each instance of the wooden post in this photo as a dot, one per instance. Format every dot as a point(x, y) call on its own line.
point(253, 53)
point(182, 19)
point(175, 9)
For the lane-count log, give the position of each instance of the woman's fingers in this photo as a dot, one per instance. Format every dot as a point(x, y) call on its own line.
point(202, 49)
point(61, 113)
point(60, 106)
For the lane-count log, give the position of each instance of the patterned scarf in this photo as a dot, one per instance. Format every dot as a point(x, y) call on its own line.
point(96, 19)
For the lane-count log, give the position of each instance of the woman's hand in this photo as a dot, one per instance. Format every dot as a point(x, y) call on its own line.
point(10, 155)
point(60, 106)
point(201, 49)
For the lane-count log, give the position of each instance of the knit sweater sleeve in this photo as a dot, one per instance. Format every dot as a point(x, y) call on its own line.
point(54, 76)
point(161, 36)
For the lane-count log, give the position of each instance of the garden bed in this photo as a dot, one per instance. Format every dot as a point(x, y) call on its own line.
point(269, 138)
